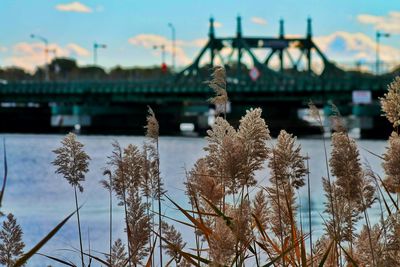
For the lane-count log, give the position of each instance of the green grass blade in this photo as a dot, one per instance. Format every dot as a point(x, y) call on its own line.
point(21, 261)
point(96, 258)
point(280, 255)
point(325, 257)
point(149, 263)
point(353, 262)
point(206, 231)
point(303, 254)
point(3, 188)
point(57, 260)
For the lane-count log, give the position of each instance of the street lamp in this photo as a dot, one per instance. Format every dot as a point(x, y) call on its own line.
point(95, 47)
point(46, 53)
point(173, 44)
point(378, 36)
point(162, 48)
point(163, 65)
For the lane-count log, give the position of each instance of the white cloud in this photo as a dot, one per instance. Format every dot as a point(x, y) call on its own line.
point(78, 50)
point(148, 41)
point(258, 20)
point(344, 47)
point(74, 7)
point(218, 24)
point(30, 55)
point(389, 23)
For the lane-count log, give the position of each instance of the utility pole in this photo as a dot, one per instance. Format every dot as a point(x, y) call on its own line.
point(378, 36)
point(173, 45)
point(95, 47)
point(46, 54)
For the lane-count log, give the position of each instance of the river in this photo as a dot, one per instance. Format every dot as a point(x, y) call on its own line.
point(40, 199)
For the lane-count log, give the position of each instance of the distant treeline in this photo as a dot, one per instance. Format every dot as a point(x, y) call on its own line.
point(67, 69)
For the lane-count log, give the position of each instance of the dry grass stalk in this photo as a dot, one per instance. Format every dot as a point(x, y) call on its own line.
point(11, 244)
point(73, 163)
point(288, 169)
point(153, 133)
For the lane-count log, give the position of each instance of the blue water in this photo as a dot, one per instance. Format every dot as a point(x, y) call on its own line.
point(40, 199)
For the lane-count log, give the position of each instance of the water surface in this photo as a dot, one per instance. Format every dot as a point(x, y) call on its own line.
point(40, 199)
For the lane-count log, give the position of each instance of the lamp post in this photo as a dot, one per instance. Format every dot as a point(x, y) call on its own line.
point(95, 47)
point(173, 45)
point(162, 48)
point(378, 36)
point(46, 53)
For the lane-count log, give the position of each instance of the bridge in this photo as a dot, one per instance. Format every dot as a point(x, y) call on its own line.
point(288, 72)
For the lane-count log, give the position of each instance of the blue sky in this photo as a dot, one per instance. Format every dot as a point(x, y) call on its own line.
point(344, 29)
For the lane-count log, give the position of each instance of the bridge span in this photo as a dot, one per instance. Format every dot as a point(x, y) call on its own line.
point(281, 82)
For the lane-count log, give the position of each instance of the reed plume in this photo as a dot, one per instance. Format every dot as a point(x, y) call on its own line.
point(120, 183)
point(139, 227)
point(202, 183)
point(218, 84)
point(393, 242)
point(176, 243)
point(118, 256)
point(222, 243)
point(107, 184)
point(260, 208)
point(253, 132)
point(288, 169)
point(390, 103)
point(73, 163)
point(391, 164)
point(11, 244)
point(152, 132)
point(363, 246)
point(152, 127)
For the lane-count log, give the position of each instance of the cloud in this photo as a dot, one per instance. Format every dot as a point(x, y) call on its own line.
point(30, 55)
point(389, 23)
point(74, 7)
point(218, 24)
point(78, 50)
point(3, 49)
point(148, 41)
point(351, 47)
point(258, 20)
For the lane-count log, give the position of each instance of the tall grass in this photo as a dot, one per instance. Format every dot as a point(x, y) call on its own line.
point(232, 226)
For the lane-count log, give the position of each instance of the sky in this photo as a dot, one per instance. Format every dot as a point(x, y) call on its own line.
point(343, 29)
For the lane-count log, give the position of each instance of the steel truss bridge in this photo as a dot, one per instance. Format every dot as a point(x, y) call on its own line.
point(290, 72)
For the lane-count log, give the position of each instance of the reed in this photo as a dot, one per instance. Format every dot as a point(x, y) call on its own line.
point(233, 226)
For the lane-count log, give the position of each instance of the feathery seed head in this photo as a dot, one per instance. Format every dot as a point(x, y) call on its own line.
point(152, 127)
point(253, 133)
point(314, 112)
point(390, 103)
point(337, 122)
point(345, 165)
point(218, 84)
point(72, 161)
point(287, 164)
point(391, 164)
point(11, 244)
